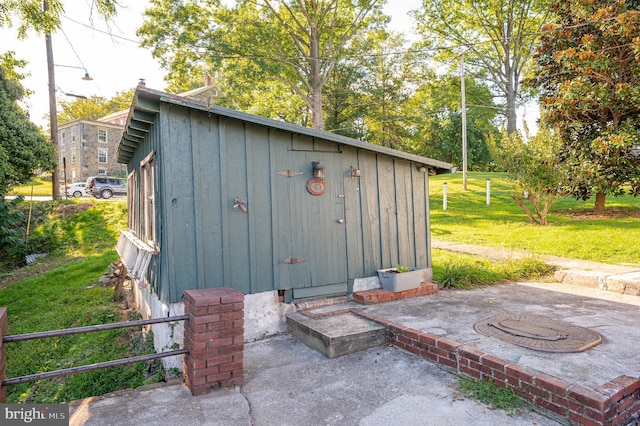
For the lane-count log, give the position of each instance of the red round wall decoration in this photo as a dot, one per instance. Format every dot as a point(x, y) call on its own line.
point(316, 186)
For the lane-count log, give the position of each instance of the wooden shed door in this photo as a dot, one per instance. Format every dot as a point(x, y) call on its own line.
point(317, 264)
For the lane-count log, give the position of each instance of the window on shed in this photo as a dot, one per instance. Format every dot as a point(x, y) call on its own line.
point(102, 135)
point(148, 213)
point(132, 195)
point(102, 156)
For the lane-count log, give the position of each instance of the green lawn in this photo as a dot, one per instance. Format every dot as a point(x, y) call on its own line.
point(62, 291)
point(573, 231)
point(40, 187)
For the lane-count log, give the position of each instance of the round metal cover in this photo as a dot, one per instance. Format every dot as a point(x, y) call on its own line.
point(539, 333)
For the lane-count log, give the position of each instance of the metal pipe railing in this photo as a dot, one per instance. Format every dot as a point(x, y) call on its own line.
point(96, 366)
point(90, 328)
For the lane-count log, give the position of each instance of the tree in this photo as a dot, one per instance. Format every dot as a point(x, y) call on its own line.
point(94, 107)
point(532, 165)
point(588, 71)
point(437, 122)
point(294, 42)
point(388, 83)
point(23, 147)
point(31, 15)
point(45, 18)
point(496, 37)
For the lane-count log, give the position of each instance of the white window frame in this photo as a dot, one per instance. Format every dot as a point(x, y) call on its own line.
point(147, 198)
point(102, 172)
point(132, 192)
point(106, 155)
point(74, 156)
point(100, 138)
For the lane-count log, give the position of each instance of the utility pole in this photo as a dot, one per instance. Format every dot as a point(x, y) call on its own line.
point(53, 114)
point(464, 126)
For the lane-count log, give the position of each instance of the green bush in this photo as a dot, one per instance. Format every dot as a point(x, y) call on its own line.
point(26, 228)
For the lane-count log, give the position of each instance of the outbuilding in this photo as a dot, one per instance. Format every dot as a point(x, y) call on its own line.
point(221, 198)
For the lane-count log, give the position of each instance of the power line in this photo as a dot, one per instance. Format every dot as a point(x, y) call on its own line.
point(73, 49)
point(102, 31)
point(382, 54)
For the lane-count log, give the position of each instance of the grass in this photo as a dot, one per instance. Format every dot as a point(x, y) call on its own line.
point(488, 393)
point(452, 270)
point(40, 187)
point(574, 232)
point(63, 292)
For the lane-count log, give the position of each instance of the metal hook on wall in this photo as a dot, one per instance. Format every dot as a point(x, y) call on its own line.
point(240, 204)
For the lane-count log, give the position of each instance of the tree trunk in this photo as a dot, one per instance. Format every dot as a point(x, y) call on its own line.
point(599, 207)
point(523, 206)
point(512, 119)
point(316, 80)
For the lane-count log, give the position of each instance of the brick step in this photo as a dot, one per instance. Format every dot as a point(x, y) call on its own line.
point(336, 333)
point(378, 295)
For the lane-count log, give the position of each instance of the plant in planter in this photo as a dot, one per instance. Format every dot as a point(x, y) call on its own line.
point(400, 278)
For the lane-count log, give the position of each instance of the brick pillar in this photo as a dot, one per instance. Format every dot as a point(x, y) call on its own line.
point(214, 335)
point(3, 354)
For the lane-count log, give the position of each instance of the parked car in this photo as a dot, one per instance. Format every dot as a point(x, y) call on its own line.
point(105, 186)
point(75, 189)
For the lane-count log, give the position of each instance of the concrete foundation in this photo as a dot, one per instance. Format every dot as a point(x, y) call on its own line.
point(264, 316)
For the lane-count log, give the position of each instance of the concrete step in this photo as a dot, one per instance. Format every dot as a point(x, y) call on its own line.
point(335, 333)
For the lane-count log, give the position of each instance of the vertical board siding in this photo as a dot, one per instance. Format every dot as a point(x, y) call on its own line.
point(205, 161)
point(207, 195)
point(370, 213)
point(404, 212)
point(353, 215)
point(237, 260)
point(260, 208)
point(388, 212)
point(281, 143)
point(180, 229)
point(421, 217)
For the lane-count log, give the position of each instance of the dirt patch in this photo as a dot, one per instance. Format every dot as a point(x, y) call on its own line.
point(608, 214)
point(66, 210)
point(40, 267)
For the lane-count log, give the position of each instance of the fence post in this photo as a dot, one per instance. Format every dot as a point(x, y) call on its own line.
point(444, 196)
point(3, 354)
point(214, 335)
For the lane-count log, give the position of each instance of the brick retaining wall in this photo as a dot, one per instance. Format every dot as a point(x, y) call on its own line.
point(616, 402)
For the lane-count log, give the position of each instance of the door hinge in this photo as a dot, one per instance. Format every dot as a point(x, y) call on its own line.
point(289, 173)
point(293, 260)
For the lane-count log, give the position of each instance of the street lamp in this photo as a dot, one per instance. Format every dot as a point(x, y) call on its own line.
point(86, 77)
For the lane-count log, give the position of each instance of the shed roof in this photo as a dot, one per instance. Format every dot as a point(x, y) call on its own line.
point(146, 104)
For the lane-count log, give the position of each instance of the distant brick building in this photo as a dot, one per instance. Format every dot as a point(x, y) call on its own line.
point(89, 146)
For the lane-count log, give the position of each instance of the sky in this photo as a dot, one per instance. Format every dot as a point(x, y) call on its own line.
point(116, 62)
point(110, 53)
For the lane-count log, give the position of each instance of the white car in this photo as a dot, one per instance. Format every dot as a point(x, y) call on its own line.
point(76, 189)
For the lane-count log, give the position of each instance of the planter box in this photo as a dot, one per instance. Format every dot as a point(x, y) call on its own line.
point(392, 280)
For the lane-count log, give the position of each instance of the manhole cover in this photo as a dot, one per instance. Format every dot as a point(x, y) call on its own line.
point(539, 333)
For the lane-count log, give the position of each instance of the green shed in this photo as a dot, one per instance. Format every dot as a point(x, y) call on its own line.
point(220, 198)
